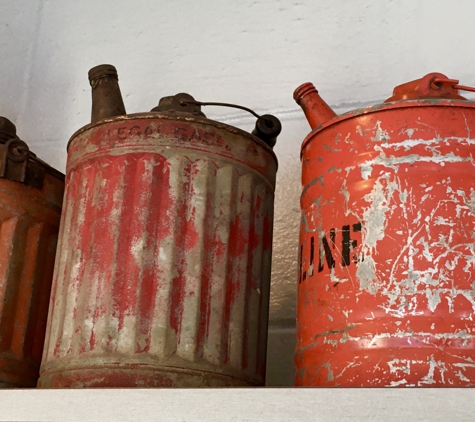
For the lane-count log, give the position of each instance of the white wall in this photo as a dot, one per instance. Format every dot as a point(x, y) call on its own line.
point(250, 52)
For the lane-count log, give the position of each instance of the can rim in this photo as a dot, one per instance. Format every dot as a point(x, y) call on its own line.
point(175, 116)
point(427, 102)
point(48, 168)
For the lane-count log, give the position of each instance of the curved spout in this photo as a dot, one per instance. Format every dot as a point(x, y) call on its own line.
point(316, 110)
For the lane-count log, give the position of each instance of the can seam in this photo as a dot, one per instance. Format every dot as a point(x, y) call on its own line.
point(179, 117)
point(382, 107)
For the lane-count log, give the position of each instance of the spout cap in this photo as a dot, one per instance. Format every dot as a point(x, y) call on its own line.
point(267, 128)
point(102, 71)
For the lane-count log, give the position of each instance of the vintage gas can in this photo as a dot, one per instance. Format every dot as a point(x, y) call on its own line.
point(386, 289)
point(31, 193)
point(165, 249)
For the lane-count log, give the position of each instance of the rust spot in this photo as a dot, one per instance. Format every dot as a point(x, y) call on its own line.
point(330, 332)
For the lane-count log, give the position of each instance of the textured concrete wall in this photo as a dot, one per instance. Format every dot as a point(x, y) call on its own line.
point(253, 53)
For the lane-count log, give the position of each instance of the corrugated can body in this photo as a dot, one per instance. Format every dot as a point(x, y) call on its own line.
point(29, 224)
point(164, 271)
point(387, 277)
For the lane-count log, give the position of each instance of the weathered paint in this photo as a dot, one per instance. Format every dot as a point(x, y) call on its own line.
point(387, 277)
point(29, 224)
point(164, 271)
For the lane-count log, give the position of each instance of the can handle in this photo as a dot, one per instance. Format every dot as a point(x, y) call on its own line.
point(267, 129)
point(432, 85)
point(455, 84)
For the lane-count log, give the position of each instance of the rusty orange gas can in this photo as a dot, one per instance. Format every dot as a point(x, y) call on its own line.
point(164, 270)
point(386, 289)
point(31, 194)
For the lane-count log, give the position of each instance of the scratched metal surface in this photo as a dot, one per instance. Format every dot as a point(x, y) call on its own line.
point(387, 277)
point(29, 224)
point(163, 274)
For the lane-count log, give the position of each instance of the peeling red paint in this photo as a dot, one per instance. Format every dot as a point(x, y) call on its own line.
point(29, 225)
point(160, 266)
point(386, 285)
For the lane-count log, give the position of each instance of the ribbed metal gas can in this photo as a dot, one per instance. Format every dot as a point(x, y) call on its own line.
point(386, 290)
point(164, 270)
point(31, 194)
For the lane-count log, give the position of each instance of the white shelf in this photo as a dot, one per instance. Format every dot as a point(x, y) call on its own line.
point(263, 404)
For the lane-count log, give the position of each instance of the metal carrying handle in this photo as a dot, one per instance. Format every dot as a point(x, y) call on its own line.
point(455, 84)
point(199, 103)
point(267, 127)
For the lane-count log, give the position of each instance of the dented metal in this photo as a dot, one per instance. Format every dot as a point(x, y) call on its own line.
point(163, 273)
point(31, 194)
point(387, 247)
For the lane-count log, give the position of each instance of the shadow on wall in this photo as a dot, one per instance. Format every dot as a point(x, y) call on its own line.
point(286, 216)
point(280, 357)
point(48, 134)
point(283, 296)
point(17, 51)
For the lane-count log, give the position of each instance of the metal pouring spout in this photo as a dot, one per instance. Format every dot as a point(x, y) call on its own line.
point(316, 110)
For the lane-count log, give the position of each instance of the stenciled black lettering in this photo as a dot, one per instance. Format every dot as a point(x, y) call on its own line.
point(210, 137)
point(327, 243)
point(181, 134)
point(348, 244)
point(196, 135)
point(356, 228)
point(135, 130)
point(122, 132)
point(332, 237)
point(312, 250)
point(148, 130)
point(345, 246)
point(300, 263)
point(325, 252)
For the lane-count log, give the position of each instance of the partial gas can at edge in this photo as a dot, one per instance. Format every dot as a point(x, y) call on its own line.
point(31, 193)
point(386, 289)
point(166, 236)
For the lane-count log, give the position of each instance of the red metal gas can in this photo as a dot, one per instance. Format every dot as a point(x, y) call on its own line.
point(386, 290)
point(31, 194)
point(164, 270)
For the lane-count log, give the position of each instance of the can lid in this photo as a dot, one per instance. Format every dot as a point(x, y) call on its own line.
point(17, 162)
point(433, 85)
point(267, 127)
point(181, 103)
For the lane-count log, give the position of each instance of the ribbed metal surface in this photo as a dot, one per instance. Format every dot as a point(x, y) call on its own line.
point(164, 264)
point(29, 220)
